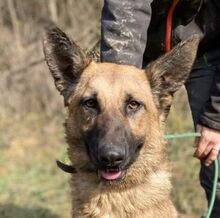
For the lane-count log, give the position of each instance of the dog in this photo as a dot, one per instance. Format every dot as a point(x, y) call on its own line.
point(115, 128)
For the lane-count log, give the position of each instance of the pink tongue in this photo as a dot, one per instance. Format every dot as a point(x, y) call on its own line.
point(111, 175)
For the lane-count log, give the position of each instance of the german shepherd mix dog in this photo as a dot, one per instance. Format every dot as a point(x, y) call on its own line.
point(114, 128)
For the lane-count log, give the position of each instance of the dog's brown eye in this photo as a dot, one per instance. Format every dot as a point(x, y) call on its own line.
point(90, 103)
point(133, 105)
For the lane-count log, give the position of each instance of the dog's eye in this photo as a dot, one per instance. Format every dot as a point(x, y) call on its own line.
point(133, 105)
point(90, 103)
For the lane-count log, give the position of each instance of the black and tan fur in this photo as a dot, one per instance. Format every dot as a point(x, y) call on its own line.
point(121, 108)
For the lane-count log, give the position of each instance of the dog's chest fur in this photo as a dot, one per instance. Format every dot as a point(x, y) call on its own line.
point(148, 200)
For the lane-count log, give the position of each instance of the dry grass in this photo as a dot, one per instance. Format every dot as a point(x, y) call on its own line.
point(188, 195)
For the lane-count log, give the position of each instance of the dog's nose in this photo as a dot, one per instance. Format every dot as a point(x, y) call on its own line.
point(111, 155)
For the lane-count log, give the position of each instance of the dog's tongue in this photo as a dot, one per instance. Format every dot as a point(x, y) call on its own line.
point(111, 175)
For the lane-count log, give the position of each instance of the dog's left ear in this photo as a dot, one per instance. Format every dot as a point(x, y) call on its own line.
point(65, 59)
point(169, 72)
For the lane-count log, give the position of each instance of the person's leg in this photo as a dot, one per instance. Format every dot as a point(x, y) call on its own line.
point(198, 89)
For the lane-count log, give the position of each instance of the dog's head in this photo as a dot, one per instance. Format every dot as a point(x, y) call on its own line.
point(115, 111)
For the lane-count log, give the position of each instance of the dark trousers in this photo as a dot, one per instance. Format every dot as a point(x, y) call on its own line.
point(198, 89)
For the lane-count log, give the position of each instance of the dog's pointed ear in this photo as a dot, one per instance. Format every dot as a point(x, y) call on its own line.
point(65, 59)
point(169, 72)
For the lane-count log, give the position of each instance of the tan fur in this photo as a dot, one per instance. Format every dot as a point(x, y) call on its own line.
point(145, 191)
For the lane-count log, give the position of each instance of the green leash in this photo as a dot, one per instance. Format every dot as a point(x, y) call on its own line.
point(216, 168)
point(183, 135)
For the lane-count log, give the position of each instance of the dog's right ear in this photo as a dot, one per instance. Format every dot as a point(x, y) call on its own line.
point(65, 59)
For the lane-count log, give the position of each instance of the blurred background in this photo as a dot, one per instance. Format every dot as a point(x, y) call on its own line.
point(32, 114)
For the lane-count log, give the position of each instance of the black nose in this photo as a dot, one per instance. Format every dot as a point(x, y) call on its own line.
point(111, 156)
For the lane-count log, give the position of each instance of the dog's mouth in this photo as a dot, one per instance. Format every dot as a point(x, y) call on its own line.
point(112, 175)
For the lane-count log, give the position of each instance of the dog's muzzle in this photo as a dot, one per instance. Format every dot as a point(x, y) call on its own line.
point(110, 160)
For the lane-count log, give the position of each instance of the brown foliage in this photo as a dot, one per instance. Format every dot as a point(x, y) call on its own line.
point(25, 87)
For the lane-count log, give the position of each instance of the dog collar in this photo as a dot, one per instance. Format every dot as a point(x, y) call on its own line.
point(66, 168)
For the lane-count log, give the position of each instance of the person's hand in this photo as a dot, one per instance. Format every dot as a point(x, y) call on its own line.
point(208, 145)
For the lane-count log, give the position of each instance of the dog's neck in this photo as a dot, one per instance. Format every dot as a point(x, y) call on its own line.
point(92, 200)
